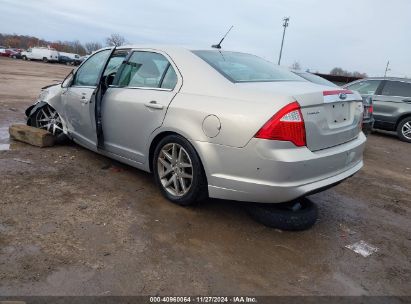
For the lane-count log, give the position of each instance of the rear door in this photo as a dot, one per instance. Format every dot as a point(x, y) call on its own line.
point(392, 102)
point(135, 105)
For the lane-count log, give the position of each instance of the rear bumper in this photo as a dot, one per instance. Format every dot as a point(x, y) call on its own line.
point(273, 172)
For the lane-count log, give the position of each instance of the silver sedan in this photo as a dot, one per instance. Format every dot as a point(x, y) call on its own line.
point(208, 123)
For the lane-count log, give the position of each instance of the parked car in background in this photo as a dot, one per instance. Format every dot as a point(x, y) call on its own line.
point(368, 120)
point(15, 54)
point(75, 58)
point(391, 99)
point(12, 53)
point(66, 60)
point(41, 53)
point(82, 58)
point(238, 127)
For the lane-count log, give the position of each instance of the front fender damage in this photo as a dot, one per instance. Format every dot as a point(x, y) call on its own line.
point(32, 109)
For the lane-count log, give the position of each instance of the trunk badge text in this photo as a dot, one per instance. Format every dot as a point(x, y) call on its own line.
point(313, 113)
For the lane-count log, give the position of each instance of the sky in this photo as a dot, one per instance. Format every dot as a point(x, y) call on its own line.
point(356, 35)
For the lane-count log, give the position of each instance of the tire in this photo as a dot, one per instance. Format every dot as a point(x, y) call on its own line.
point(403, 127)
point(298, 215)
point(45, 60)
point(38, 120)
point(179, 171)
point(14, 57)
point(24, 57)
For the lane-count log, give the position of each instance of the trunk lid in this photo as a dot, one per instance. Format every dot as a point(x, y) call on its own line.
point(332, 117)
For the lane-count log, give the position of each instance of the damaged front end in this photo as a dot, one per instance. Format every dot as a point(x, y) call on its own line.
point(45, 112)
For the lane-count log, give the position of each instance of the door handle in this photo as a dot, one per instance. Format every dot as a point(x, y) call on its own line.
point(407, 100)
point(154, 105)
point(83, 98)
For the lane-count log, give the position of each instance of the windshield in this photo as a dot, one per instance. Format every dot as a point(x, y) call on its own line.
point(315, 79)
point(240, 67)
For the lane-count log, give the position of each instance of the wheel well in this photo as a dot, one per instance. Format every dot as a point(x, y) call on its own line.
point(401, 118)
point(157, 139)
point(153, 146)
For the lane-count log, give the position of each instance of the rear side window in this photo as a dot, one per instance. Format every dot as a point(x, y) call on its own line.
point(316, 79)
point(147, 69)
point(241, 67)
point(397, 88)
point(170, 79)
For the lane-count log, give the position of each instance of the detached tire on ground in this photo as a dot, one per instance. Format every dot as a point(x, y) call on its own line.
point(178, 171)
point(404, 129)
point(299, 215)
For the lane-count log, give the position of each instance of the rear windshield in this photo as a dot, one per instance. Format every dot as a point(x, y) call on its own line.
point(240, 67)
point(315, 79)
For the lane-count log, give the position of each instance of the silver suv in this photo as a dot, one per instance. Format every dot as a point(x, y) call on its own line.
point(392, 103)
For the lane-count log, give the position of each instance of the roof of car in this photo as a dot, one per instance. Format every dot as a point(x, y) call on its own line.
point(174, 48)
point(154, 47)
point(387, 78)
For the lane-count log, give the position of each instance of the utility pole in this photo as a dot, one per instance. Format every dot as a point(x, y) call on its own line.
point(285, 25)
point(387, 69)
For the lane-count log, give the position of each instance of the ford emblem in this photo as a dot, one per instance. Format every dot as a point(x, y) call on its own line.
point(343, 96)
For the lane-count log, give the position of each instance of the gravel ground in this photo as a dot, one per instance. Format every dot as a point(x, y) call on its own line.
point(74, 222)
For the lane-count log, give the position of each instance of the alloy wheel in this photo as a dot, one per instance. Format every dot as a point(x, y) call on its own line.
point(48, 119)
point(175, 169)
point(406, 130)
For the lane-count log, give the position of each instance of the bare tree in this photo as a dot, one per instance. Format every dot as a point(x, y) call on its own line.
point(92, 46)
point(338, 72)
point(342, 72)
point(295, 66)
point(77, 47)
point(358, 74)
point(115, 40)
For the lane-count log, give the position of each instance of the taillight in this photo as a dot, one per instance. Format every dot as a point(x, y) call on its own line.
point(370, 109)
point(286, 125)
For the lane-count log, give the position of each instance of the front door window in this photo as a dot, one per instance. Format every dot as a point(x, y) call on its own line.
point(88, 74)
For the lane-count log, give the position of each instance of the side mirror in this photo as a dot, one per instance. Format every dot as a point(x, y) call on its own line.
point(68, 80)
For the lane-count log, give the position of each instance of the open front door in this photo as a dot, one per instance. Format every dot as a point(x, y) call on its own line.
point(80, 98)
point(137, 101)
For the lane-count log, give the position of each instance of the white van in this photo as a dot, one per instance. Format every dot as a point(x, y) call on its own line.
point(41, 53)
